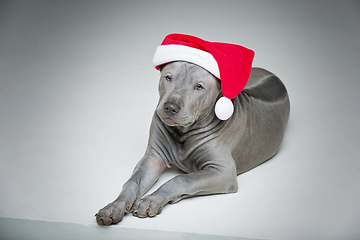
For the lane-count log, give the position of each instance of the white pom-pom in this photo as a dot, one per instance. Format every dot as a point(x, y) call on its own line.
point(224, 108)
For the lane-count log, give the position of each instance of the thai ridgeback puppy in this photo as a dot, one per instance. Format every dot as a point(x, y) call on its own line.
point(186, 133)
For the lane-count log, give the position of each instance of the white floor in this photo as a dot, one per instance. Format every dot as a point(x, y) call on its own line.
point(77, 93)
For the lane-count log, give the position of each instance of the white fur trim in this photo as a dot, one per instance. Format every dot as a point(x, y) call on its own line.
point(169, 53)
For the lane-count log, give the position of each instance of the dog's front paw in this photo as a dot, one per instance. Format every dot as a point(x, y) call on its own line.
point(149, 206)
point(112, 213)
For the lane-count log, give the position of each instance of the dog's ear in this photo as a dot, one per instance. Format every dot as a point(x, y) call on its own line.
point(161, 67)
point(218, 83)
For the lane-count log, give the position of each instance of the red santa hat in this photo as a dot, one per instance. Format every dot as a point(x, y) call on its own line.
point(230, 63)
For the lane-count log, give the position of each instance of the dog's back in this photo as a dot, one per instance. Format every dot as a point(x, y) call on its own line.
point(265, 86)
point(266, 102)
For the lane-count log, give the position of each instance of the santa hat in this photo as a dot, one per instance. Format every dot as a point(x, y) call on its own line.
point(228, 62)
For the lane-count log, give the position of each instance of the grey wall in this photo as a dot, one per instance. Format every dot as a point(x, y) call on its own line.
point(77, 92)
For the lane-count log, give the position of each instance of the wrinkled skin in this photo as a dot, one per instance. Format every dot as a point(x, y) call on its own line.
point(186, 133)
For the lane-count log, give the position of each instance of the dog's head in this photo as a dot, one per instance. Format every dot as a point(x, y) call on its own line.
point(187, 93)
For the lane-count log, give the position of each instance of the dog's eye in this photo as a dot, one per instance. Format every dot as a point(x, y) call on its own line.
point(168, 78)
point(199, 87)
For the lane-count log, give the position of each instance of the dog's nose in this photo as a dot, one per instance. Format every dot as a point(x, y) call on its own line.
point(171, 108)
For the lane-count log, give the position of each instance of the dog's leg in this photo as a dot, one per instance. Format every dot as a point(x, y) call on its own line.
point(211, 180)
point(145, 174)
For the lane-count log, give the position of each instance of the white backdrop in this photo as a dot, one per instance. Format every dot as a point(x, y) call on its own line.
point(77, 93)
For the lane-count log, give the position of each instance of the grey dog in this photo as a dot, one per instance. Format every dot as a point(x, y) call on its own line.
point(186, 133)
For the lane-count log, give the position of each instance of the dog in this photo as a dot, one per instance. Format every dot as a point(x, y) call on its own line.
point(186, 133)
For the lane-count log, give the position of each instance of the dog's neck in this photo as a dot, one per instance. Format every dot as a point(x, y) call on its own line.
point(202, 125)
